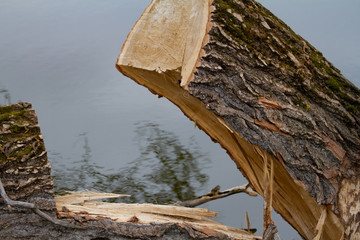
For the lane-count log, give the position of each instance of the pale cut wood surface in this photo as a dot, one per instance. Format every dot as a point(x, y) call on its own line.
point(80, 207)
point(185, 22)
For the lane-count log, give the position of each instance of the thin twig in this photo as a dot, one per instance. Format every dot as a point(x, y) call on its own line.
point(31, 206)
point(216, 194)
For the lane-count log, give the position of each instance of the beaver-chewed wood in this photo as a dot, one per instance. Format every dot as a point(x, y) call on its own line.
point(262, 92)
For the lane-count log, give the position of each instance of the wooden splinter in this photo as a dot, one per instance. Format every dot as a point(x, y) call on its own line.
point(320, 226)
point(268, 182)
point(269, 227)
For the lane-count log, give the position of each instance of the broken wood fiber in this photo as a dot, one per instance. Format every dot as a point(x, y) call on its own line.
point(258, 89)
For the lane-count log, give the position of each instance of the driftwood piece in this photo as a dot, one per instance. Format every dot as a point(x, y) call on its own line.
point(26, 186)
point(257, 88)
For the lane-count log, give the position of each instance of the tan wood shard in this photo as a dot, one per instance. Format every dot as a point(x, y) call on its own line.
point(81, 208)
point(81, 197)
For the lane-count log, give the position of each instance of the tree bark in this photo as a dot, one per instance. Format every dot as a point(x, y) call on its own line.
point(264, 93)
point(28, 209)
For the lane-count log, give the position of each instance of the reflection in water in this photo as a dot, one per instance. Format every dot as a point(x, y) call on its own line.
point(165, 171)
point(81, 176)
point(5, 99)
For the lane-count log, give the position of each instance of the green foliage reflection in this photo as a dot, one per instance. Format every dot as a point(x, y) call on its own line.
point(5, 95)
point(166, 170)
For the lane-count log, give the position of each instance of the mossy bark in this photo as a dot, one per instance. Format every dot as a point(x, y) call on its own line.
point(24, 168)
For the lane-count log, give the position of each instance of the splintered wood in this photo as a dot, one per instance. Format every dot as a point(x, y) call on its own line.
point(81, 197)
point(81, 207)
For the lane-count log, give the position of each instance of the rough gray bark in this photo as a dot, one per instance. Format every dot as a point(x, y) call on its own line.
point(267, 96)
point(280, 93)
point(104, 230)
point(24, 168)
point(25, 174)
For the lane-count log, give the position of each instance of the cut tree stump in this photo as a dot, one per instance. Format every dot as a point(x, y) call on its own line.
point(32, 211)
point(263, 93)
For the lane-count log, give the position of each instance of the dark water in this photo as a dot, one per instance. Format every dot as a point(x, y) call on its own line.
point(106, 133)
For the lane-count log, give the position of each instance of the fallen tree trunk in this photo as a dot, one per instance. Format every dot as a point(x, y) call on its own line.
point(266, 95)
point(28, 209)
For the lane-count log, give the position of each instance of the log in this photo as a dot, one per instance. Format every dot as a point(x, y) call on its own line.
point(29, 209)
point(265, 95)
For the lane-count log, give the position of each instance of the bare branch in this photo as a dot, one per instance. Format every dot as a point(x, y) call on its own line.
point(12, 203)
point(216, 194)
point(31, 206)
